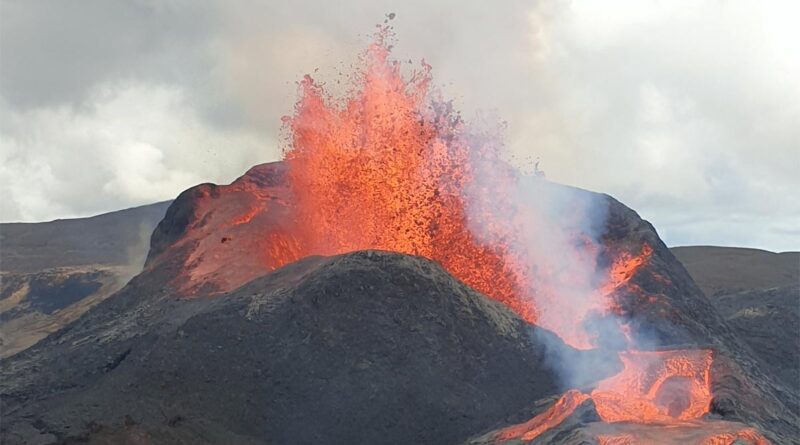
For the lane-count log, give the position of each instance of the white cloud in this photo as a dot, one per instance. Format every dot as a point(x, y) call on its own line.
point(129, 144)
point(686, 111)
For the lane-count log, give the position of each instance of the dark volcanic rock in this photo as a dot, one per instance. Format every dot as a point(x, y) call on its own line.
point(33, 305)
point(368, 347)
point(769, 322)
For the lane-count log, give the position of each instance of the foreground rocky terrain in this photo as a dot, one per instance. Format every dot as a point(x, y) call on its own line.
point(768, 321)
point(53, 272)
point(212, 344)
point(368, 347)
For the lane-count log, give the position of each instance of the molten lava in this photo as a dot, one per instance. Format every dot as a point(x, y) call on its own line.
point(393, 167)
point(657, 386)
point(747, 436)
point(654, 387)
point(659, 398)
point(624, 267)
point(688, 433)
point(553, 416)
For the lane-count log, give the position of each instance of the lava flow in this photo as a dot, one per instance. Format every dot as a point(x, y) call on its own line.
point(653, 387)
point(657, 386)
point(553, 416)
point(686, 433)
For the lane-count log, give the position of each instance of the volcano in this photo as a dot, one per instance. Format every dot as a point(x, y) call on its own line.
point(359, 348)
point(395, 280)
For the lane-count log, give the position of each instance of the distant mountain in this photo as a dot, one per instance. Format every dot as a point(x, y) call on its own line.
point(52, 272)
point(724, 270)
point(119, 238)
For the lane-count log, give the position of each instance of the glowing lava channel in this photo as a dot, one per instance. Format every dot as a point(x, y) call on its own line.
point(653, 387)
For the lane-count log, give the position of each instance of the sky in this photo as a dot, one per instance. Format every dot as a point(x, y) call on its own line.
point(686, 111)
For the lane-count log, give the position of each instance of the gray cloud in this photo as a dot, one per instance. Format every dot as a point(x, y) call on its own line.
point(55, 52)
point(688, 113)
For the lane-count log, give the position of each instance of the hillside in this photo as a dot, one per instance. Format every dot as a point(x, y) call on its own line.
point(721, 270)
point(53, 272)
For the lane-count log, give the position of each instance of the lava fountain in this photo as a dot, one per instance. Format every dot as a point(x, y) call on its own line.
point(391, 165)
point(386, 169)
